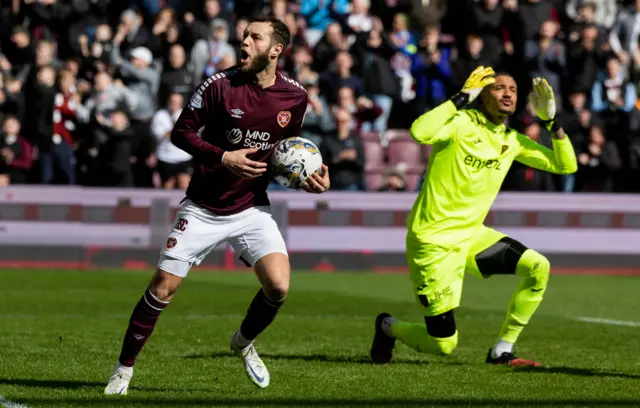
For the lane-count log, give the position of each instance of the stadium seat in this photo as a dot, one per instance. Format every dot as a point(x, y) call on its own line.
point(373, 153)
point(413, 176)
point(401, 150)
point(373, 177)
point(395, 134)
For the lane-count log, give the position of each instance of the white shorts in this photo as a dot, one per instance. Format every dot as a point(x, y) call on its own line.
point(253, 233)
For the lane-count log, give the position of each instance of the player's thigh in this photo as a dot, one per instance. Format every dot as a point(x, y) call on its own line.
point(258, 242)
point(493, 253)
point(437, 274)
point(195, 232)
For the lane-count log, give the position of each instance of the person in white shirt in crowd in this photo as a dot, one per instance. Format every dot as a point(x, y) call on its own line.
point(174, 164)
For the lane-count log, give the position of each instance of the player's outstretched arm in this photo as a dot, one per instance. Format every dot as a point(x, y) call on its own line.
point(560, 160)
point(432, 127)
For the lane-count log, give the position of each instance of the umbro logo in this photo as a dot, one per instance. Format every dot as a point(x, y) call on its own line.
point(236, 113)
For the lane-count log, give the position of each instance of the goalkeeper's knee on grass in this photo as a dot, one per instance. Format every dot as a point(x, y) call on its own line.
point(439, 335)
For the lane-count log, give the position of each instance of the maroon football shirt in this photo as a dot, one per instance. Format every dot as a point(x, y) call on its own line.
point(235, 114)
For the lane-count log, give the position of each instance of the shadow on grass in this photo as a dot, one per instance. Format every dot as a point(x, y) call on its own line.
point(76, 385)
point(330, 402)
point(583, 372)
point(318, 358)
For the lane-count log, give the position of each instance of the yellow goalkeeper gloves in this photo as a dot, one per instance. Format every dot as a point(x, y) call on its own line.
point(479, 78)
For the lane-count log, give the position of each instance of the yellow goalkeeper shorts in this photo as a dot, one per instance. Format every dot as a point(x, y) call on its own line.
point(437, 272)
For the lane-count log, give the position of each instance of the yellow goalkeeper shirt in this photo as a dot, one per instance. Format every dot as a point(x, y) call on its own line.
point(469, 161)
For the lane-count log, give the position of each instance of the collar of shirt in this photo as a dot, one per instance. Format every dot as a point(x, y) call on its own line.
point(482, 120)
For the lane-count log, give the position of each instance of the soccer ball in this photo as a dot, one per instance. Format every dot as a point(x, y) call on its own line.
point(293, 160)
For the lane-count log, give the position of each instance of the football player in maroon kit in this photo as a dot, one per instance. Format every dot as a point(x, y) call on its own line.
point(230, 127)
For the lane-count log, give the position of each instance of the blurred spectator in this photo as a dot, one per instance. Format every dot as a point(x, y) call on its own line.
point(604, 11)
point(317, 121)
point(15, 153)
point(341, 77)
point(177, 76)
point(393, 179)
point(317, 14)
point(405, 46)
point(200, 28)
point(59, 157)
point(523, 178)
point(115, 151)
point(344, 155)
point(374, 50)
point(545, 57)
point(207, 55)
point(431, 69)
point(174, 164)
point(598, 162)
point(612, 91)
point(624, 33)
point(585, 58)
point(486, 20)
point(328, 47)
point(363, 110)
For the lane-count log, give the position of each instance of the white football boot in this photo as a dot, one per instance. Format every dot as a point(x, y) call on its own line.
point(119, 381)
point(253, 365)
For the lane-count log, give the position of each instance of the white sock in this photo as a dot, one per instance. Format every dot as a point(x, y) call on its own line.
point(386, 325)
point(241, 341)
point(500, 347)
point(124, 369)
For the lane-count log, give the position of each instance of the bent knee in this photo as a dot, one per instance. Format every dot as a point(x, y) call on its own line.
point(277, 290)
point(164, 285)
point(535, 266)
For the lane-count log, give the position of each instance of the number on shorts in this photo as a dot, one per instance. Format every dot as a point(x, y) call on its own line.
point(181, 225)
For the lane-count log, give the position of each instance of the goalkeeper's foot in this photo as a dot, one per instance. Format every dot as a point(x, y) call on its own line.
point(119, 381)
point(382, 347)
point(510, 359)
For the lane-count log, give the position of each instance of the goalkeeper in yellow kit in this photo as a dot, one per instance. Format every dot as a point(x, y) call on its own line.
point(472, 152)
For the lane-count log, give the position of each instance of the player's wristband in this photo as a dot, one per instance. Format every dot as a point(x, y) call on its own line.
point(552, 125)
point(460, 100)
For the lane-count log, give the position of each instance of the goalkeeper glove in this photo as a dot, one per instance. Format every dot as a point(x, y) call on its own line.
point(478, 79)
point(543, 102)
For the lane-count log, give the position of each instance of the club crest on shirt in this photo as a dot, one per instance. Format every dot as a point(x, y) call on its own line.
point(504, 149)
point(283, 118)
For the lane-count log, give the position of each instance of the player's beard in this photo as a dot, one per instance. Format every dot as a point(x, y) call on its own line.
point(258, 63)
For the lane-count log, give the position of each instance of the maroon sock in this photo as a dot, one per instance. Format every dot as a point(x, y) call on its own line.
point(261, 313)
point(143, 320)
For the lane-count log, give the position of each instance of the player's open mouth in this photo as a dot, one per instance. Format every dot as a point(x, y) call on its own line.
point(244, 57)
point(506, 102)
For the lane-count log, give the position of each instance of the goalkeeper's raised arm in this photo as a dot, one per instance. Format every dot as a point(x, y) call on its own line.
point(430, 127)
point(560, 160)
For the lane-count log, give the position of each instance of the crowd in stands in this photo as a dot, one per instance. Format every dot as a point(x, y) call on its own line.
point(90, 89)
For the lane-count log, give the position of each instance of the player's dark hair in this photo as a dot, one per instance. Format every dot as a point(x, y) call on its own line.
point(503, 73)
point(281, 34)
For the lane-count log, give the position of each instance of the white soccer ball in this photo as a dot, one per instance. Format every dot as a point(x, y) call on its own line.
point(293, 160)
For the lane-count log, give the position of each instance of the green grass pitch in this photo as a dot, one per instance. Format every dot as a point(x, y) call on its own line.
point(61, 334)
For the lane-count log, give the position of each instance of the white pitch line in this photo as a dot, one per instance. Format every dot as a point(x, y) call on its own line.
point(609, 321)
point(5, 403)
